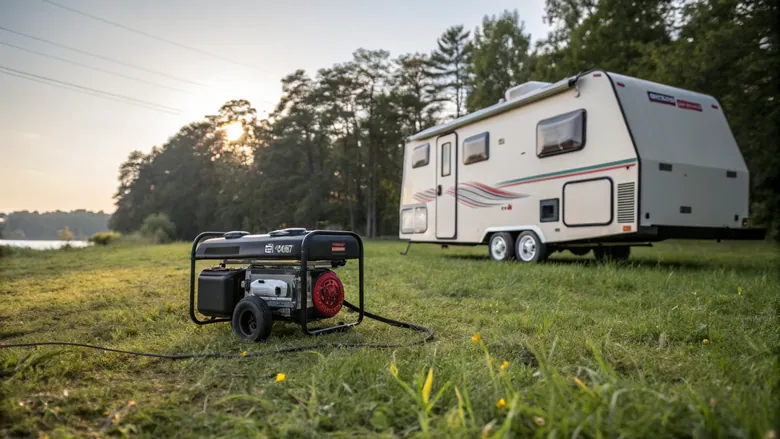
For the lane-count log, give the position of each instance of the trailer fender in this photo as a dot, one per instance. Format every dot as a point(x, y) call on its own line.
point(533, 228)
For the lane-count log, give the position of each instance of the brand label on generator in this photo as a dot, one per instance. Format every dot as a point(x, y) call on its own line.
point(287, 248)
point(688, 105)
point(661, 98)
point(338, 247)
point(269, 248)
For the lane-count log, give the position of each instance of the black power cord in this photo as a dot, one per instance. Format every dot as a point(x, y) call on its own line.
point(376, 317)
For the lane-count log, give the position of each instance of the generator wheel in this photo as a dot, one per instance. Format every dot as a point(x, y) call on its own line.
point(501, 247)
point(252, 320)
point(530, 248)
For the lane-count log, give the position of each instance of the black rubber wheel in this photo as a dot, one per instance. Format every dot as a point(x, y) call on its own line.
point(579, 251)
point(501, 246)
point(252, 320)
point(529, 248)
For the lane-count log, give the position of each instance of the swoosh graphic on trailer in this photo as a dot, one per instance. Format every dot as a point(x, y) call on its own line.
point(469, 200)
point(425, 196)
point(475, 194)
point(491, 191)
point(569, 172)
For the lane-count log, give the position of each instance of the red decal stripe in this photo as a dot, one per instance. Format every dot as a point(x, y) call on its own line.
point(688, 105)
point(491, 189)
point(572, 175)
point(338, 247)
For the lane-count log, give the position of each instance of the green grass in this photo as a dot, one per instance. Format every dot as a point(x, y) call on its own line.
point(593, 350)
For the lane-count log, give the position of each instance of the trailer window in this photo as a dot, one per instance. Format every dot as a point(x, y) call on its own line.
point(446, 152)
point(561, 134)
point(420, 156)
point(475, 149)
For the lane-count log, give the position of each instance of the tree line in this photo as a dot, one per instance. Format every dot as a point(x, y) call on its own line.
point(330, 153)
point(77, 224)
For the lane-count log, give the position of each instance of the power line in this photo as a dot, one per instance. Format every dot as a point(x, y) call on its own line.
point(98, 69)
point(105, 58)
point(89, 91)
point(148, 35)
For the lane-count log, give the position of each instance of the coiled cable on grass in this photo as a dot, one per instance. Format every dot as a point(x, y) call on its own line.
point(414, 327)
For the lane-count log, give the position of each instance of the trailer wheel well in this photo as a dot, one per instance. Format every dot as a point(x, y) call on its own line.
point(514, 234)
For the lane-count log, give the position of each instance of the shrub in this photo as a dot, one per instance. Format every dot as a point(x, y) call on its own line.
point(104, 238)
point(65, 234)
point(158, 227)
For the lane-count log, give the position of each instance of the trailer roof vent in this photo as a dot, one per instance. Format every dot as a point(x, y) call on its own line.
point(523, 89)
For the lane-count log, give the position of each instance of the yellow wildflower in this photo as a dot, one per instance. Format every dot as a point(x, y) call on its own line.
point(476, 338)
point(501, 403)
point(426, 391)
point(705, 341)
point(243, 354)
point(280, 377)
point(504, 365)
point(131, 403)
point(393, 369)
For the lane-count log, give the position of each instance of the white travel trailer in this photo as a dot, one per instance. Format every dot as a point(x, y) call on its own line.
point(598, 161)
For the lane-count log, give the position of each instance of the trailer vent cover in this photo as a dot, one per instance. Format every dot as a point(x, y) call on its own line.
point(626, 203)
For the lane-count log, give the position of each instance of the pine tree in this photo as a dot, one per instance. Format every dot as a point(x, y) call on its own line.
point(451, 62)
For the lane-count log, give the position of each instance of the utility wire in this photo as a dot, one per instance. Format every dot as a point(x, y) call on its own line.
point(105, 58)
point(89, 91)
point(98, 69)
point(148, 35)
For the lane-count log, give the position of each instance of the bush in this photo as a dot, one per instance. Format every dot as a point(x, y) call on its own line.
point(103, 238)
point(65, 234)
point(159, 228)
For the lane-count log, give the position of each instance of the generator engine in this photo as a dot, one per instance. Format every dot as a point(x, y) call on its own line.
point(281, 290)
point(272, 280)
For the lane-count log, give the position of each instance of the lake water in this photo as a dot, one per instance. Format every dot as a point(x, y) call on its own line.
point(40, 244)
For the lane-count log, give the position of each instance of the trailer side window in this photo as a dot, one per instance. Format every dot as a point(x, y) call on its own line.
point(446, 167)
point(561, 134)
point(420, 156)
point(476, 149)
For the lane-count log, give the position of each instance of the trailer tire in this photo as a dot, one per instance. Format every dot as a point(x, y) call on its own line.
point(501, 246)
point(252, 320)
point(579, 251)
point(530, 249)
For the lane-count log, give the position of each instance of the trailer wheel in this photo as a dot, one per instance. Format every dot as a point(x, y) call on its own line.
point(579, 251)
point(252, 320)
point(501, 246)
point(529, 248)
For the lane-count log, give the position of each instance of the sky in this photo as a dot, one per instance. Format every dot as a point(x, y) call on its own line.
point(61, 149)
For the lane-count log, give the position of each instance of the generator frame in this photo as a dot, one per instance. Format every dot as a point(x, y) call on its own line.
point(301, 258)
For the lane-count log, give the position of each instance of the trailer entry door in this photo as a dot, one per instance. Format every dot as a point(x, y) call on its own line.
point(446, 186)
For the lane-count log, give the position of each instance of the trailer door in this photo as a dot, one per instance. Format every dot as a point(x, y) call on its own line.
point(446, 186)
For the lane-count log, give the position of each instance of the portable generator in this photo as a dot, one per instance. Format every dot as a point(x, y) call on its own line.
point(285, 275)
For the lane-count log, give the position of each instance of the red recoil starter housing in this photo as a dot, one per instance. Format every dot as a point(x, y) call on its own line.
point(328, 294)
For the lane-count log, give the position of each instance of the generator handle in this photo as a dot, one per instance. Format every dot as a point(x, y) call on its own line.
point(304, 287)
point(195, 243)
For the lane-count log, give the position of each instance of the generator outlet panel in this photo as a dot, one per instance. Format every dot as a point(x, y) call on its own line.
point(219, 290)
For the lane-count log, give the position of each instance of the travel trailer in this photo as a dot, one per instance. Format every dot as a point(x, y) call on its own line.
point(598, 161)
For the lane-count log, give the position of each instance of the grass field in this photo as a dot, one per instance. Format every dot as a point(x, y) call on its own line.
point(680, 341)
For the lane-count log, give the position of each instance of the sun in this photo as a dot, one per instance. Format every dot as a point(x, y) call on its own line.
point(233, 131)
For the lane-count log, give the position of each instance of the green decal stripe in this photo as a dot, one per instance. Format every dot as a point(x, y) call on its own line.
point(568, 171)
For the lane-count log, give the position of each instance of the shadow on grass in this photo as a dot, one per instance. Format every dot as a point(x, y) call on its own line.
point(639, 263)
